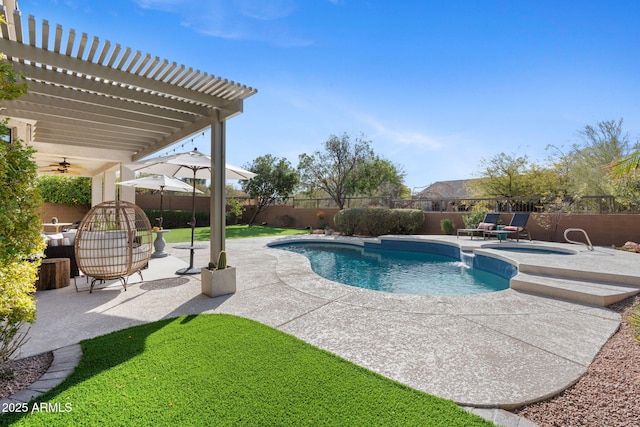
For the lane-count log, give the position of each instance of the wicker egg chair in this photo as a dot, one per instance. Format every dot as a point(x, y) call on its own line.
point(113, 241)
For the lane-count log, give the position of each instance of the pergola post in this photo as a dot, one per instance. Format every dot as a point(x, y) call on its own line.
point(218, 183)
point(127, 193)
point(96, 190)
point(109, 185)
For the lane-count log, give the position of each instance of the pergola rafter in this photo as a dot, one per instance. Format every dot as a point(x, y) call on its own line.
point(93, 94)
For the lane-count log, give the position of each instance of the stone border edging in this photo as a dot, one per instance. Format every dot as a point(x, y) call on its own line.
point(65, 360)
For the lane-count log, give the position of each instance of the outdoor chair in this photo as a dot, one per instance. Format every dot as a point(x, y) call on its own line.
point(518, 224)
point(488, 223)
point(113, 241)
point(516, 228)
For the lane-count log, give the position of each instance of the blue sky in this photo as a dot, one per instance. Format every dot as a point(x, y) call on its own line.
point(435, 85)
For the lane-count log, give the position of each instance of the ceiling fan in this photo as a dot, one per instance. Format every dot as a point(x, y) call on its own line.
point(62, 167)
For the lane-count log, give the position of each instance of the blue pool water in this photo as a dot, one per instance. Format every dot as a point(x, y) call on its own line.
point(396, 271)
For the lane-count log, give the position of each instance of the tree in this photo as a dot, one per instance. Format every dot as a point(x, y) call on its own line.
point(502, 175)
point(381, 178)
point(348, 167)
point(275, 181)
point(590, 163)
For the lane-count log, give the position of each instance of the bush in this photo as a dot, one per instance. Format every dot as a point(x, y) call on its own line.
point(378, 221)
point(474, 218)
point(634, 320)
point(178, 219)
point(446, 225)
point(70, 191)
point(21, 246)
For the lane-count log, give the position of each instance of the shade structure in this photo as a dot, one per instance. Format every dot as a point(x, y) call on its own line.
point(162, 183)
point(192, 164)
point(195, 165)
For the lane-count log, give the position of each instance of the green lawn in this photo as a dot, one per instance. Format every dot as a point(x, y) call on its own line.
point(202, 234)
point(225, 370)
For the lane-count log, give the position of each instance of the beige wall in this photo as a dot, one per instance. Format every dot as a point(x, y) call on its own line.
point(64, 213)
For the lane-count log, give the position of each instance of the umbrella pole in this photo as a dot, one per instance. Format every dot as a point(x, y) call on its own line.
point(193, 212)
point(191, 269)
point(160, 220)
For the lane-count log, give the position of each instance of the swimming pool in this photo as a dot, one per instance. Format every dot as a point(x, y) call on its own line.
point(430, 270)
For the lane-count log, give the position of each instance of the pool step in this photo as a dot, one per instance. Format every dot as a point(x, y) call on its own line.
point(582, 291)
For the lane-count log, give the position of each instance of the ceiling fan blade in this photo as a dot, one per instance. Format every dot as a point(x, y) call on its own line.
point(65, 165)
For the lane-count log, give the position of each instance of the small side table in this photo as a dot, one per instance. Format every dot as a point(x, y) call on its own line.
point(159, 244)
point(53, 274)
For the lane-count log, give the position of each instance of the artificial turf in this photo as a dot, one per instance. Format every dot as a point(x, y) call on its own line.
point(220, 370)
point(231, 231)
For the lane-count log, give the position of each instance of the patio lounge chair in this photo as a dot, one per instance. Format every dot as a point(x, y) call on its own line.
point(517, 228)
point(519, 224)
point(488, 223)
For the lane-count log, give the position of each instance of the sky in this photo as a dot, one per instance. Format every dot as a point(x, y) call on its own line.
point(435, 85)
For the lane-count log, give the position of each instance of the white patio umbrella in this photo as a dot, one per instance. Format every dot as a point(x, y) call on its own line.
point(195, 165)
point(192, 164)
point(162, 183)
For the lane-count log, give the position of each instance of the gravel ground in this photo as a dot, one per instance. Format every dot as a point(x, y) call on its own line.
point(609, 392)
point(27, 371)
point(607, 395)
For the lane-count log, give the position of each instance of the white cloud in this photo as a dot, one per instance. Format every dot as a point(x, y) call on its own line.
point(398, 137)
point(264, 20)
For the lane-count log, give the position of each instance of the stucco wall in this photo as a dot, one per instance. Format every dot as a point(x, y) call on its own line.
point(64, 213)
point(603, 230)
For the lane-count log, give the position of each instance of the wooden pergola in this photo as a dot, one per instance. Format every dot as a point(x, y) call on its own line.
point(101, 105)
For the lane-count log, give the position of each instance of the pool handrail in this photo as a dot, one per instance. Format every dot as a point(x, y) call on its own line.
point(588, 244)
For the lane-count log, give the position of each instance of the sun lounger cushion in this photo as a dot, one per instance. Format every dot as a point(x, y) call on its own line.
point(513, 228)
point(486, 226)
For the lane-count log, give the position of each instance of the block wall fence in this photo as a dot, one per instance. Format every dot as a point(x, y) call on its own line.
point(603, 229)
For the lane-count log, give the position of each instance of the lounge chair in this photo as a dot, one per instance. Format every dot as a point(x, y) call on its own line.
point(488, 223)
point(519, 224)
point(517, 227)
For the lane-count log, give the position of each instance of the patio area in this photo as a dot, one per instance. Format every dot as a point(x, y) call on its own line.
point(502, 349)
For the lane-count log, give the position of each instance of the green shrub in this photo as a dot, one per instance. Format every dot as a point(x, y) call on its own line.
point(177, 219)
point(446, 225)
point(21, 246)
point(634, 320)
point(236, 209)
point(70, 191)
point(474, 218)
point(378, 221)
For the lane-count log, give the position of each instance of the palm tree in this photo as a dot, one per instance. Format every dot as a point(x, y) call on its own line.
point(626, 165)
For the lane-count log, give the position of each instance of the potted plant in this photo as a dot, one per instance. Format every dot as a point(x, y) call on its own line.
point(218, 278)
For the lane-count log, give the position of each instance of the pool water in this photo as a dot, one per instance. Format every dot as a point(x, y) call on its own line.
point(396, 271)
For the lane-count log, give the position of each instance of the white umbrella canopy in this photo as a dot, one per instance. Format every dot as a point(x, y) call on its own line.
point(162, 183)
point(195, 165)
point(159, 182)
point(187, 164)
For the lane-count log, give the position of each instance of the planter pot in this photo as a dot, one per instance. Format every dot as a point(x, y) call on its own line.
point(218, 282)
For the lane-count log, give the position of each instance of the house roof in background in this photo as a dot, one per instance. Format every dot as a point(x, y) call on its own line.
point(456, 189)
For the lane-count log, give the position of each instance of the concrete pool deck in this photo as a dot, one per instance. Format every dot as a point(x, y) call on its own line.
point(502, 349)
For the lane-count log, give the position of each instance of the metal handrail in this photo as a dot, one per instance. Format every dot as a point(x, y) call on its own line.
point(588, 244)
